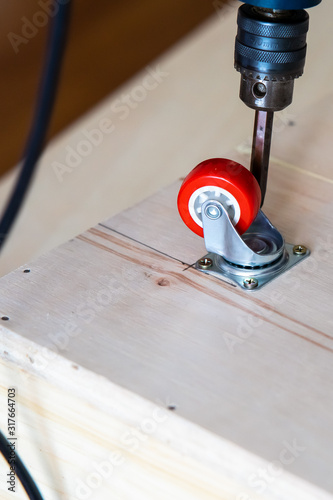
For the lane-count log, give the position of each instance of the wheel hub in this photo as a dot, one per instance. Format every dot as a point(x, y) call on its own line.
point(213, 193)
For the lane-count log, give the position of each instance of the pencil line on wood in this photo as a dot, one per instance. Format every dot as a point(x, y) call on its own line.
point(197, 286)
point(145, 245)
point(192, 266)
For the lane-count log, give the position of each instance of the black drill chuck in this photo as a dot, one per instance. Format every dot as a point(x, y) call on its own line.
point(270, 53)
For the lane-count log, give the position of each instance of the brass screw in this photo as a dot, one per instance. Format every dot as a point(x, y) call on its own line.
point(299, 250)
point(250, 283)
point(205, 263)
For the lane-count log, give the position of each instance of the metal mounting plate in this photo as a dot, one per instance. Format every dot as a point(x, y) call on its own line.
point(243, 277)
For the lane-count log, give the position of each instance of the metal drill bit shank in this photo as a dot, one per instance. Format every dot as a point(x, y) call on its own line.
point(261, 146)
point(270, 52)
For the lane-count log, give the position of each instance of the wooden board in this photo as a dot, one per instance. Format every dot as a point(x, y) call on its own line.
point(84, 437)
point(123, 301)
point(136, 327)
point(193, 113)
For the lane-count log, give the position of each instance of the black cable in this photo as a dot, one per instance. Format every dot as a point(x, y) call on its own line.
point(20, 470)
point(47, 93)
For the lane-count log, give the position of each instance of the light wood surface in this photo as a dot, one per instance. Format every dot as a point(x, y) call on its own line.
point(186, 118)
point(74, 424)
point(122, 302)
point(193, 114)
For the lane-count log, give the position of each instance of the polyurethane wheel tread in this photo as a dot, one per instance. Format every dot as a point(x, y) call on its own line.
point(226, 181)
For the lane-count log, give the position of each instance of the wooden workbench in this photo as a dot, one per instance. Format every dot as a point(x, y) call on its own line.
point(139, 376)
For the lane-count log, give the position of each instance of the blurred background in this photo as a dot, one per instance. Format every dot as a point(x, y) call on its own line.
point(109, 41)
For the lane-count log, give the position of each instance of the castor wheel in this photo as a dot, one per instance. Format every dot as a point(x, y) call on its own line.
point(220, 200)
point(225, 181)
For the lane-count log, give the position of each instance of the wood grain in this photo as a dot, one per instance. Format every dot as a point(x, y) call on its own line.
point(251, 368)
point(120, 310)
point(84, 436)
point(193, 115)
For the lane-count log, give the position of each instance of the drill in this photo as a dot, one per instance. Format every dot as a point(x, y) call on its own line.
point(270, 51)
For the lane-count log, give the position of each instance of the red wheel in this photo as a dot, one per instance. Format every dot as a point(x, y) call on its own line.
point(226, 181)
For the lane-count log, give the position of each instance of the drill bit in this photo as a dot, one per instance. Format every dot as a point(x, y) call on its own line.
point(261, 146)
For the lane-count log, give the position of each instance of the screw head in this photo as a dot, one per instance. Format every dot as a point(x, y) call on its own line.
point(250, 283)
point(213, 212)
point(205, 263)
point(299, 250)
